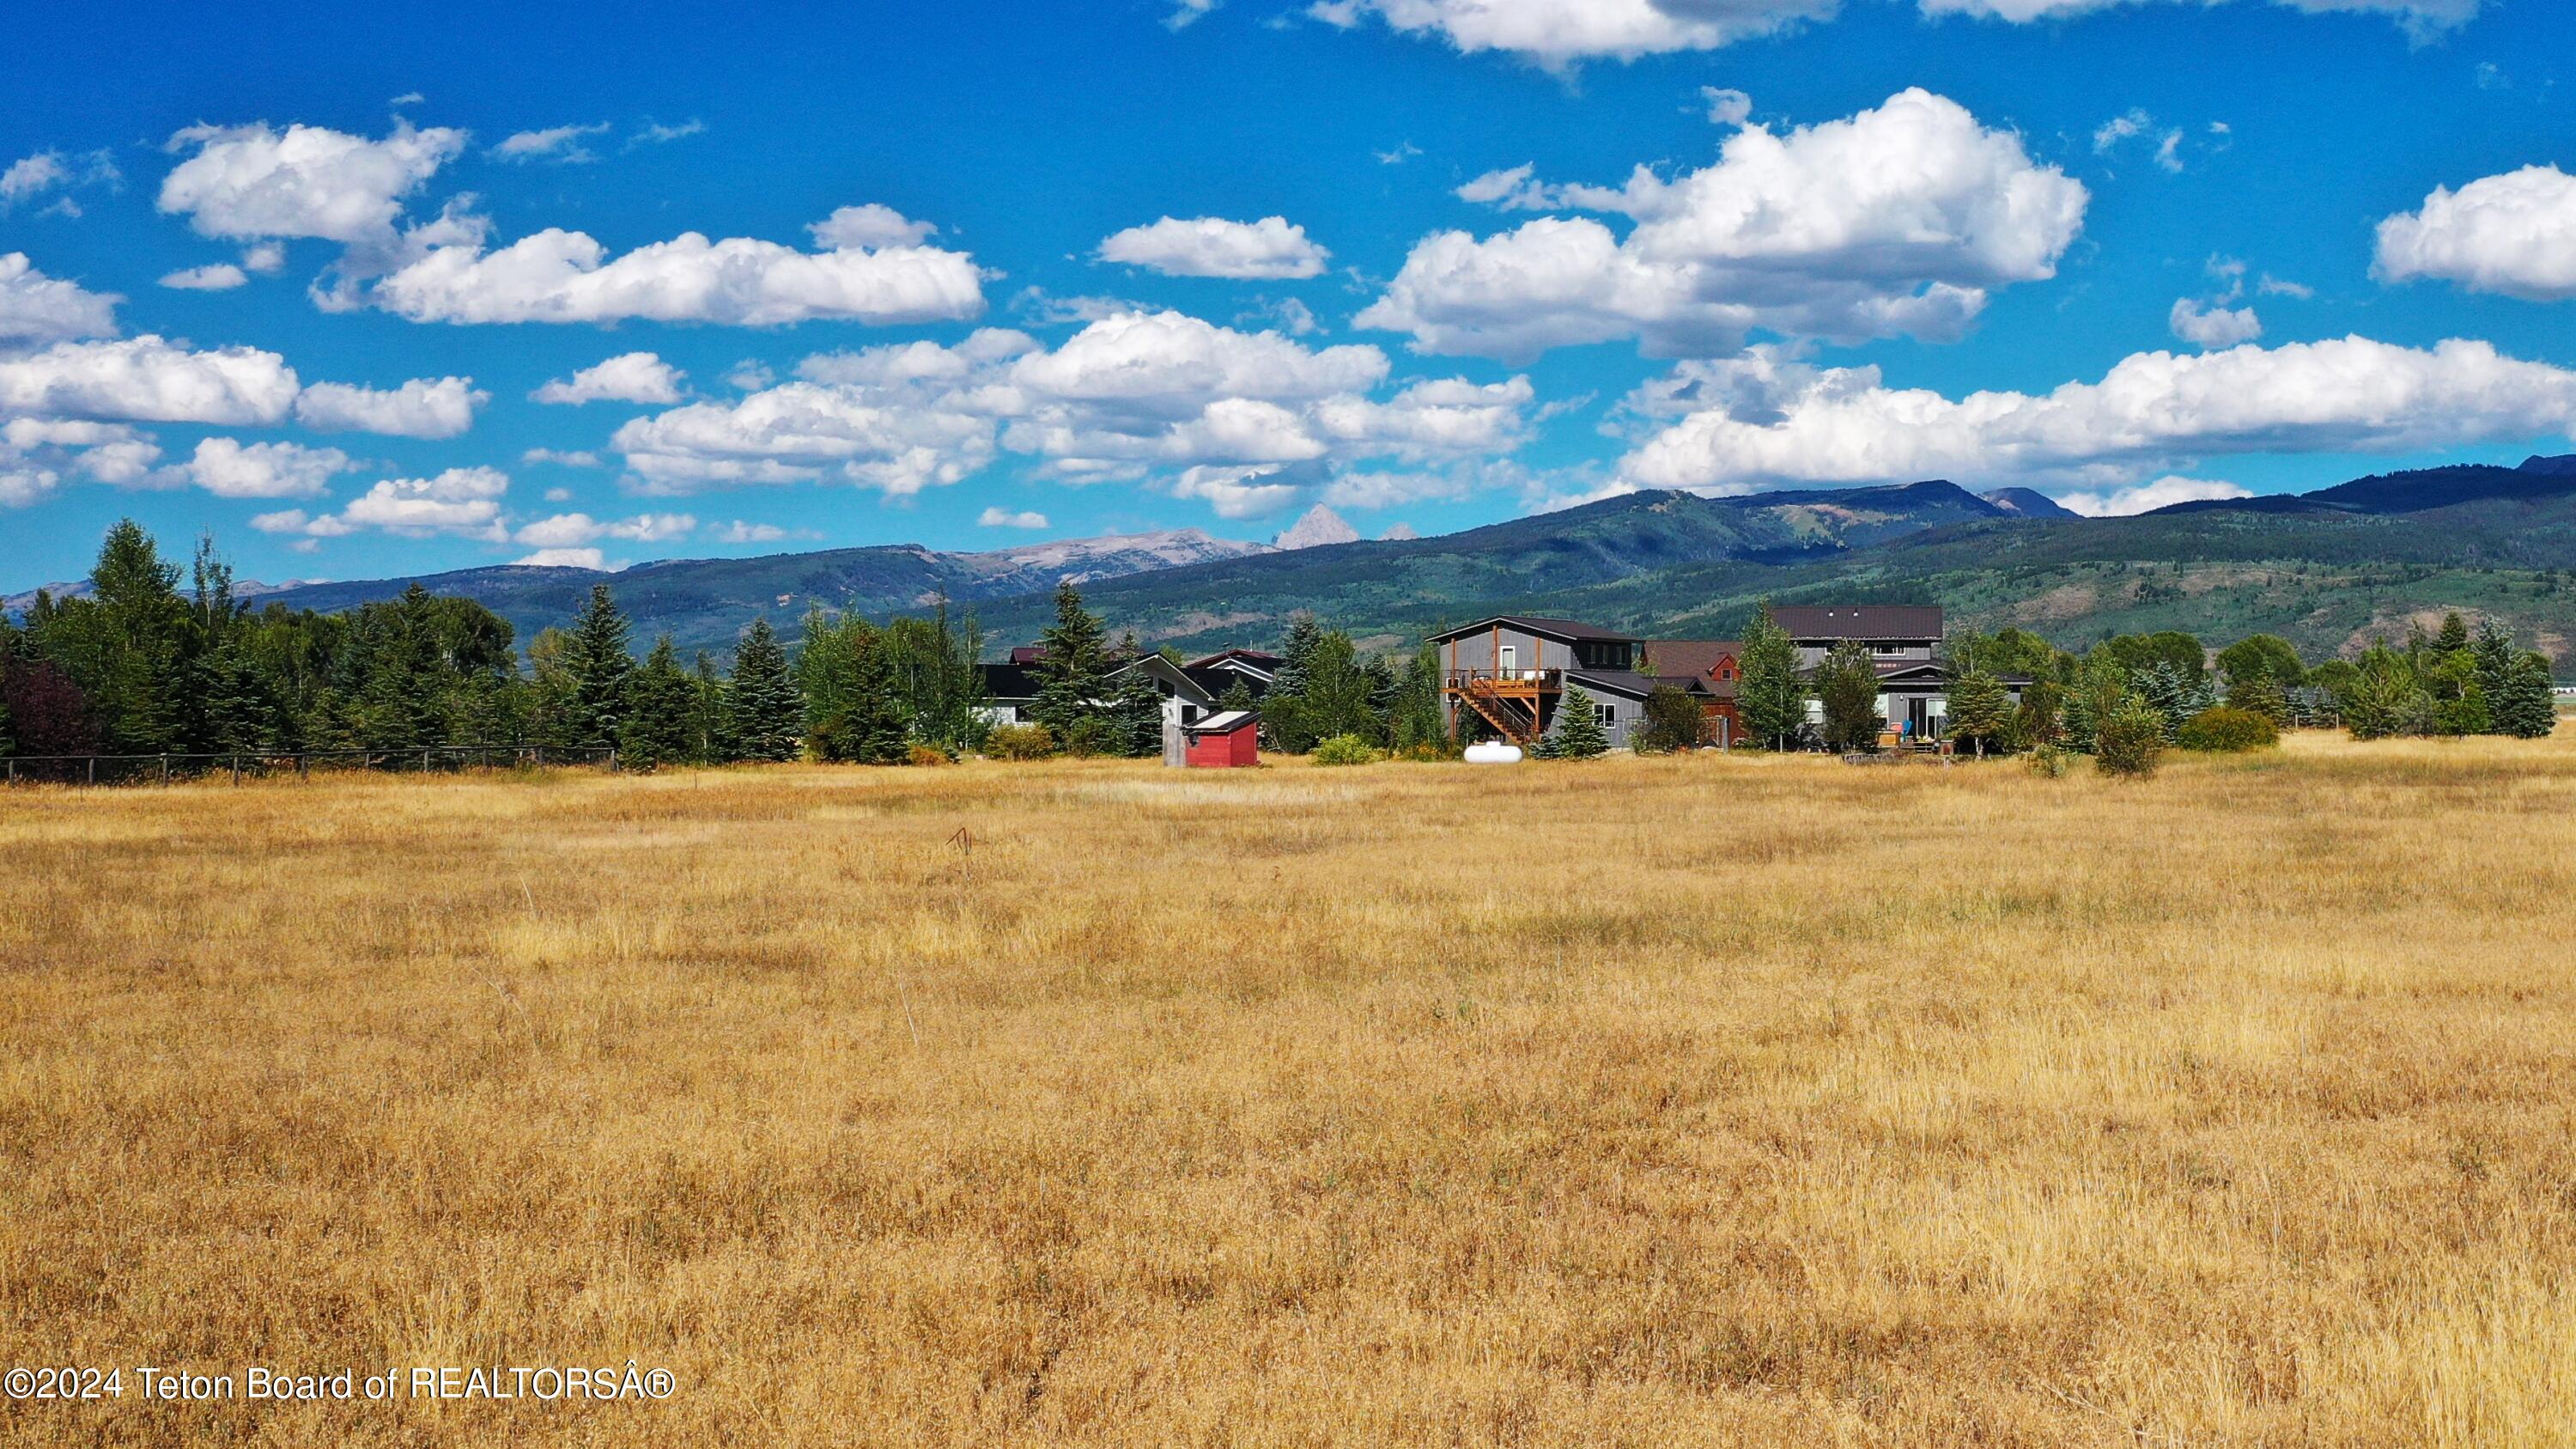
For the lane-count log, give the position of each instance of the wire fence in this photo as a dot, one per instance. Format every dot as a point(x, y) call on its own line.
point(238, 766)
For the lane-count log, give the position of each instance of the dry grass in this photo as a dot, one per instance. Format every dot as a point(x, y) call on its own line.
point(1642, 1102)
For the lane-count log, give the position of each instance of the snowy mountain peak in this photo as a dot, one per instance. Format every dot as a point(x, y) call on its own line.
point(1320, 526)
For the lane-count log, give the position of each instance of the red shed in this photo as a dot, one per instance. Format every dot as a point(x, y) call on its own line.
point(1225, 741)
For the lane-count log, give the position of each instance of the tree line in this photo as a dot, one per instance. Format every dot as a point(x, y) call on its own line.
point(142, 665)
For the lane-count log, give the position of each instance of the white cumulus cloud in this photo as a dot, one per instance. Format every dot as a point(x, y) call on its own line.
point(870, 226)
point(1005, 518)
point(566, 558)
point(1896, 221)
point(35, 308)
point(2423, 20)
point(2213, 325)
point(567, 276)
point(305, 181)
point(2514, 234)
point(460, 501)
point(229, 468)
point(1128, 395)
point(148, 379)
point(1266, 250)
point(1558, 33)
point(1761, 420)
point(219, 277)
point(564, 530)
point(639, 377)
point(421, 408)
point(2148, 497)
point(559, 144)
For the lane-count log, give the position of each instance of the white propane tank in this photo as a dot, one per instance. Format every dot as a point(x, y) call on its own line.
point(1493, 753)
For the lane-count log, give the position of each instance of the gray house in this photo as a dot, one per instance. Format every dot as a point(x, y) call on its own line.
point(1507, 676)
point(1904, 642)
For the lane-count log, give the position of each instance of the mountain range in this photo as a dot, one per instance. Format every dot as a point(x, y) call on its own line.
point(2326, 569)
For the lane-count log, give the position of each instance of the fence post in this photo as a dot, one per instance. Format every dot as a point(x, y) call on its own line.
point(612, 759)
point(93, 769)
point(303, 765)
point(165, 769)
point(236, 767)
point(424, 762)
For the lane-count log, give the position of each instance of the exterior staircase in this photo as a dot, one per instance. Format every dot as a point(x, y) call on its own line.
point(1516, 715)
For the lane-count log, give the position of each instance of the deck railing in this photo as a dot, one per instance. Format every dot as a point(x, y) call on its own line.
point(1517, 681)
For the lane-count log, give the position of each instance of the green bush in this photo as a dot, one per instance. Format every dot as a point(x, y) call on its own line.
point(1020, 742)
point(1345, 750)
point(2048, 761)
point(2227, 730)
point(2130, 742)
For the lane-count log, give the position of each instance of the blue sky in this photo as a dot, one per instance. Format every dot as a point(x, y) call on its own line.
point(956, 271)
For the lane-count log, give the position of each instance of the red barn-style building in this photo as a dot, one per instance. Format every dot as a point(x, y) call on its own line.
point(1231, 740)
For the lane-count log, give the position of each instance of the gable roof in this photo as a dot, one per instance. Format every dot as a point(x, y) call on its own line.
point(1567, 631)
point(1258, 659)
point(1172, 674)
point(1694, 657)
point(1860, 621)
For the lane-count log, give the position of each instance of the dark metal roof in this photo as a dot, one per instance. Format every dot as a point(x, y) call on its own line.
point(1569, 630)
point(1860, 621)
point(1624, 683)
point(1690, 656)
point(1262, 660)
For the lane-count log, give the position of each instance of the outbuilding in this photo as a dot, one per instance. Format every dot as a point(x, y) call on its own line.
point(1226, 741)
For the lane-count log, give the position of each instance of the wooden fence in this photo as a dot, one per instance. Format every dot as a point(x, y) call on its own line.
point(162, 769)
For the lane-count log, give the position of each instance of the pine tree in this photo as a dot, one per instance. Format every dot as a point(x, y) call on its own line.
point(764, 712)
point(1137, 709)
point(1578, 734)
point(2493, 652)
point(2526, 707)
point(2454, 636)
point(241, 715)
point(661, 708)
point(596, 657)
point(2263, 695)
point(1070, 702)
point(1297, 656)
point(1980, 709)
point(1768, 693)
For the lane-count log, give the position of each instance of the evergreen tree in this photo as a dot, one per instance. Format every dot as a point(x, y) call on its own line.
point(1768, 693)
point(241, 714)
point(861, 721)
point(764, 713)
point(2492, 650)
point(2040, 720)
point(661, 712)
point(1980, 710)
point(1847, 683)
point(125, 647)
point(2385, 698)
point(1578, 734)
point(1071, 703)
point(596, 657)
point(1297, 656)
point(2454, 636)
point(1137, 710)
point(1238, 695)
point(2526, 707)
point(2261, 694)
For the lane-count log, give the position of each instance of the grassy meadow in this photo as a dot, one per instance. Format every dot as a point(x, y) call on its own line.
point(1640, 1102)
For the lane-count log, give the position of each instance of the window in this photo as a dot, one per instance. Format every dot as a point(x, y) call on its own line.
point(1511, 658)
point(1606, 713)
point(1886, 649)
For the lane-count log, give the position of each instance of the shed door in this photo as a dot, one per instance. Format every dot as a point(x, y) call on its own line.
point(1508, 661)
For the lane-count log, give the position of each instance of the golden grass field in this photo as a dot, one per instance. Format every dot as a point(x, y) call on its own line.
point(1650, 1102)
